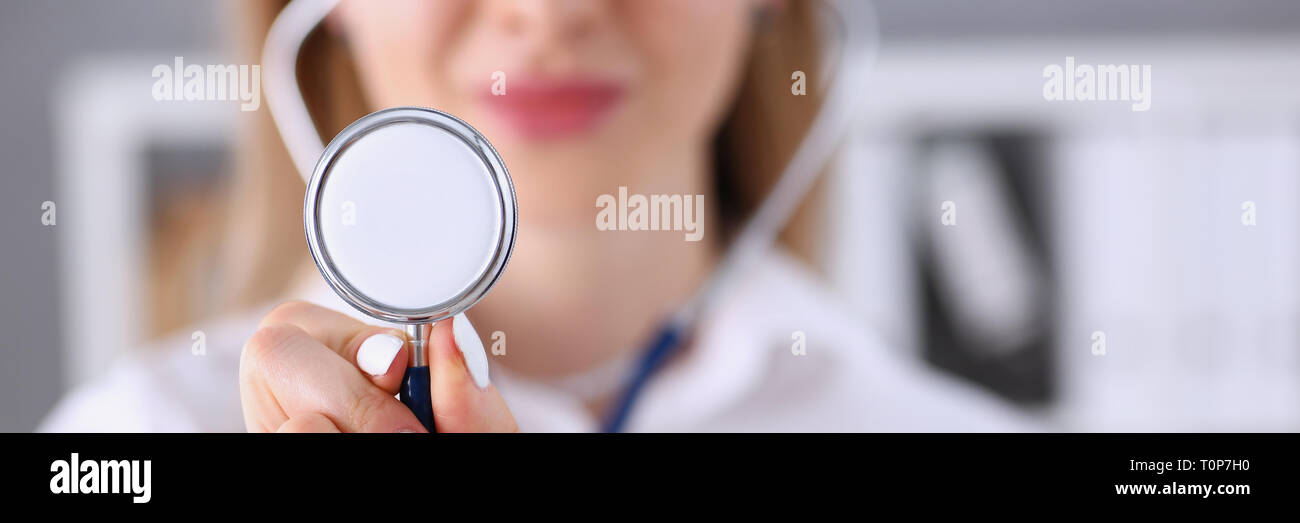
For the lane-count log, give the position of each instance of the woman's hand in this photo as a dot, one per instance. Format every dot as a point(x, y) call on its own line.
point(299, 373)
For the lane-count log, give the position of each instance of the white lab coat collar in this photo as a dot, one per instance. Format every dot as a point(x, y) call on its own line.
point(731, 351)
point(722, 366)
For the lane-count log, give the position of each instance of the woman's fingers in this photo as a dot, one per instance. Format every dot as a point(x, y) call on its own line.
point(463, 398)
point(314, 422)
point(308, 365)
point(284, 373)
point(381, 353)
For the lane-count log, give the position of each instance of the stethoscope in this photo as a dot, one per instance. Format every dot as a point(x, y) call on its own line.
point(391, 190)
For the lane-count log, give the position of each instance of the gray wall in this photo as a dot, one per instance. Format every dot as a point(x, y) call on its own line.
point(948, 19)
point(37, 39)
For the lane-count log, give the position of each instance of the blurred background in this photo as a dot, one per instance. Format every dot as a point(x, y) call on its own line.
point(1096, 265)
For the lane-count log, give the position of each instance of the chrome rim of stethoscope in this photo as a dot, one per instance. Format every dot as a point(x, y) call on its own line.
point(477, 143)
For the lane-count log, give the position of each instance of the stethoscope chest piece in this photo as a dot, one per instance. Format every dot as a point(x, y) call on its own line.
point(410, 217)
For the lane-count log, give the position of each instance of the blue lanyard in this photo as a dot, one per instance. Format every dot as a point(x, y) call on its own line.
point(665, 343)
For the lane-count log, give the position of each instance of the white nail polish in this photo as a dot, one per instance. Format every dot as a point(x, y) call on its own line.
point(471, 348)
point(376, 353)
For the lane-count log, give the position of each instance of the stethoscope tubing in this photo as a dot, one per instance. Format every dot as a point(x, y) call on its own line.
point(761, 230)
point(655, 354)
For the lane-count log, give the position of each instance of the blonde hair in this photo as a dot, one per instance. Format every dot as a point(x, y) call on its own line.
point(264, 245)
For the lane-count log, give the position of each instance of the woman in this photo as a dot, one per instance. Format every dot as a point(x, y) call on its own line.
point(673, 97)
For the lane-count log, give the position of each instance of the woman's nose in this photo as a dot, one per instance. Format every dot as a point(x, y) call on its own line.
point(549, 20)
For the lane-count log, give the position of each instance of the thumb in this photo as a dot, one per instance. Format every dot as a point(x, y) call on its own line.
point(464, 400)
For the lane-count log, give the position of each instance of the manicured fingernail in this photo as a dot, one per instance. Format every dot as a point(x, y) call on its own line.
point(376, 353)
point(471, 348)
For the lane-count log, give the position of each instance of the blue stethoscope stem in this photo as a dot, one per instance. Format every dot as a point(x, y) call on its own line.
point(415, 392)
point(415, 395)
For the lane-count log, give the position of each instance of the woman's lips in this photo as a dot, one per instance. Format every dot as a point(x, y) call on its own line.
point(554, 108)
